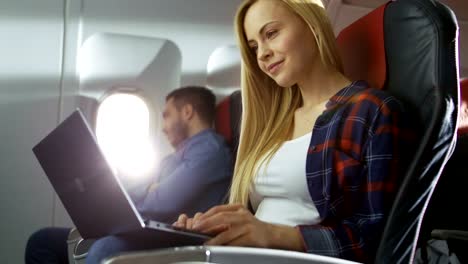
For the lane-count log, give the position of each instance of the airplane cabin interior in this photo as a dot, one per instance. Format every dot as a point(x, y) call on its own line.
point(117, 60)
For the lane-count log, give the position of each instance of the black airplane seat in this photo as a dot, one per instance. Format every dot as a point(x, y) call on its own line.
point(409, 48)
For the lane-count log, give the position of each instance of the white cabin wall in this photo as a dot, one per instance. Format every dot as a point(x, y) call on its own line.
point(197, 27)
point(29, 104)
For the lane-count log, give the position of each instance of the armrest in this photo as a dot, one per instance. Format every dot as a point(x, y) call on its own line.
point(443, 234)
point(74, 238)
point(77, 247)
point(222, 255)
point(74, 235)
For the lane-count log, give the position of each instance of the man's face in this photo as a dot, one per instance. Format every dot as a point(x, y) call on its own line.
point(175, 128)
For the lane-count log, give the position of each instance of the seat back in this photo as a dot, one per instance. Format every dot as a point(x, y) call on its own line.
point(409, 48)
point(227, 122)
point(223, 71)
point(444, 211)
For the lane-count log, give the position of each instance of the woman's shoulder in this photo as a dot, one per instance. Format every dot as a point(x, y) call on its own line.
point(374, 98)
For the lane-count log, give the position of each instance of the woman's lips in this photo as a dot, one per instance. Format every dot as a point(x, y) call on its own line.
point(272, 68)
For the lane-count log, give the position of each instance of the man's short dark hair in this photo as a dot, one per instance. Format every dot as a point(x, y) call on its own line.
point(201, 98)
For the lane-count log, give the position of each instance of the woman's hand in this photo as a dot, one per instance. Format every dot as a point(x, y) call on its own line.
point(185, 222)
point(234, 225)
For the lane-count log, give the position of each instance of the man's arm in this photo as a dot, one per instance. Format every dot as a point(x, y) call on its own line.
point(138, 188)
point(204, 165)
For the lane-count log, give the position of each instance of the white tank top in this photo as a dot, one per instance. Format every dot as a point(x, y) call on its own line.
point(280, 194)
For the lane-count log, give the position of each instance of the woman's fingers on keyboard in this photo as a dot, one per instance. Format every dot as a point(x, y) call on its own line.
point(181, 221)
point(196, 217)
point(185, 222)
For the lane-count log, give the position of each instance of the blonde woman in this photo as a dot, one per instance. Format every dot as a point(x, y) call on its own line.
point(319, 156)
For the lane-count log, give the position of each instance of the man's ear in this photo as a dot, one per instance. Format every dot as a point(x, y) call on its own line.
point(187, 112)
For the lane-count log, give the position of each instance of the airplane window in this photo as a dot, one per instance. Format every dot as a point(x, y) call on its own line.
point(123, 132)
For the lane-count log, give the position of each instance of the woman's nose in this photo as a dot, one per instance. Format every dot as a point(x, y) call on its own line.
point(264, 52)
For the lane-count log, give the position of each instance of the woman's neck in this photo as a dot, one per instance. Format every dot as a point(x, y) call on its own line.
point(321, 85)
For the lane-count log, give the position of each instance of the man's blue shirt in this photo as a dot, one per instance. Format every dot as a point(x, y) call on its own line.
point(192, 179)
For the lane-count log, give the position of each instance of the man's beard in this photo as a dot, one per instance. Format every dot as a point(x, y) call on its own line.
point(179, 133)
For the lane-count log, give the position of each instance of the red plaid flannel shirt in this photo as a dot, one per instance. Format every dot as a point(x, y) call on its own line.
point(356, 158)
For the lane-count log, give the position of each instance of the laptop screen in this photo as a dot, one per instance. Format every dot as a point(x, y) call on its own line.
point(79, 173)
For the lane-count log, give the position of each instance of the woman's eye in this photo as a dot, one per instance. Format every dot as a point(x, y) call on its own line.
point(254, 49)
point(271, 33)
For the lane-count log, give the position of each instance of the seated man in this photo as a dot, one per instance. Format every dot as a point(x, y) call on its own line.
point(192, 179)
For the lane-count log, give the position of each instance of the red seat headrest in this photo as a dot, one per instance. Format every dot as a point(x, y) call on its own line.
point(223, 119)
point(362, 49)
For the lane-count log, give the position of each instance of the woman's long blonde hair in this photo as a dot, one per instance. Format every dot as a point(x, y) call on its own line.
point(267, 109)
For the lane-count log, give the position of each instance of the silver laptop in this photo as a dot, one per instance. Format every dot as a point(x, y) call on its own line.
point(93, 196)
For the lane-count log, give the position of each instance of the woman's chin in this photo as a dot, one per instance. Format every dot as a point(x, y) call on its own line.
point(282, 80)
point(284, 84)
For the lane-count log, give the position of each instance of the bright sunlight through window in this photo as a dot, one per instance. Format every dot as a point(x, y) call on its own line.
point(123, 133)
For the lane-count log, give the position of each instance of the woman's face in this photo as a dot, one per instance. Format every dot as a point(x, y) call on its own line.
point(284, 44)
